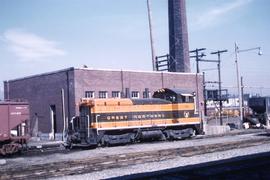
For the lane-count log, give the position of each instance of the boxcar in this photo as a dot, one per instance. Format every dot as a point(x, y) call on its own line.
point(14, 120)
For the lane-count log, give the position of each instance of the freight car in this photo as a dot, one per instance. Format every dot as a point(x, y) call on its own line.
point(170, 114)
point(260, 107)
point(14, 118)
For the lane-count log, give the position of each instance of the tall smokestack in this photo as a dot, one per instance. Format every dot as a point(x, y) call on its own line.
point(178, 37)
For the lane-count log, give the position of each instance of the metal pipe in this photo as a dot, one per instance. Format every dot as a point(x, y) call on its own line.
point(244, 50)
point(68, 93)
point(63, 109)
point(88, 126)
point(72, 123)
point(97, 122)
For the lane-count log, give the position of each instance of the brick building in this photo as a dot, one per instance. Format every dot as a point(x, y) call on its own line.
point(43, 91)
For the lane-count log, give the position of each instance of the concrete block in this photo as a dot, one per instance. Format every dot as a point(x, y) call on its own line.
point(34, 139)
point(48, 136)
point(3, 161)
point(212, 130)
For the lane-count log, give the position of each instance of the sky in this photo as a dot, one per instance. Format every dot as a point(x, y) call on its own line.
point(43, 36)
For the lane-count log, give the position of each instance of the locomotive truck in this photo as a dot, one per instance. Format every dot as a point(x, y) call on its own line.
point(170, 114)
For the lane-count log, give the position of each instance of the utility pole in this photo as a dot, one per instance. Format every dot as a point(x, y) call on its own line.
point(219, 84)
point(204, 95)
point(238, 85)
point(151, 36)
point(197, 57)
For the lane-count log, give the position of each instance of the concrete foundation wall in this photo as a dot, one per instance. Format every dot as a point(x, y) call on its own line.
point(214, 130)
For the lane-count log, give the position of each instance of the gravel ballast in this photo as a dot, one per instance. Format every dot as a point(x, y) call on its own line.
point(147, 167)
point(162, 165)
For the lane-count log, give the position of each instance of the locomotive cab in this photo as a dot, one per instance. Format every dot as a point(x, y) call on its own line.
point(174, 95)
point(260, 111)
point(81, 132)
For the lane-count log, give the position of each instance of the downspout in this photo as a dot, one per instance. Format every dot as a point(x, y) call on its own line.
point(68, 94)
point(68, 99)
point(122, 83)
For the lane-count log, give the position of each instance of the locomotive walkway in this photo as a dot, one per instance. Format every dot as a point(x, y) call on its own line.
point(96, 163)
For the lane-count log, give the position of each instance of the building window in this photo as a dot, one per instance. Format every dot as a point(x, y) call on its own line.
point(135, 94)
point(89, 94)
point(146, 94)
point(103, 94)
point(116, 94)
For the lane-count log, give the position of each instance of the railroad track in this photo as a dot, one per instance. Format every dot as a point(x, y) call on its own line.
point(59, 148)
point(88, 165)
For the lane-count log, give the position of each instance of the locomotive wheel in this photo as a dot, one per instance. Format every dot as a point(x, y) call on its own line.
point(2, 152)
point(168, 136)
point(104, 143)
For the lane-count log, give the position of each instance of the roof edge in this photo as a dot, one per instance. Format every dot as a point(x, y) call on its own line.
point(93, 69)
point(126, 70)
point(41, 74)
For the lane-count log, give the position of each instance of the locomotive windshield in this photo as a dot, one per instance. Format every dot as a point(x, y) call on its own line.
point(257, 104)
point(187, 99)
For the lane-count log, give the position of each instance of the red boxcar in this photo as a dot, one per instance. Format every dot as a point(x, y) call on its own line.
point(14, 123)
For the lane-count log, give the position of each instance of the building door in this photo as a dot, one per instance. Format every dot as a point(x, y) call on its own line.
point(53, 121)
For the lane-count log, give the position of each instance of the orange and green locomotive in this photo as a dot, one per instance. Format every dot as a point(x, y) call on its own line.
point(170, 114)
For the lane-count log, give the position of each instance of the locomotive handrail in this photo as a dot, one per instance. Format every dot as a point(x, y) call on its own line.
point(72, 123)
point(97, 122)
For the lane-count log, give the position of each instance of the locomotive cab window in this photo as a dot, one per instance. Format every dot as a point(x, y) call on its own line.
point(187, 99)
point(171, 98)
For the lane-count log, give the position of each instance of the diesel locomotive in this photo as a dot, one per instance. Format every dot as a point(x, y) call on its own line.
point(170, 114)
point(260, 115)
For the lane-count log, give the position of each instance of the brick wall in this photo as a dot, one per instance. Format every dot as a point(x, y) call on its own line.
point(108, 80)
point(41, 91)
point(44, 90)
